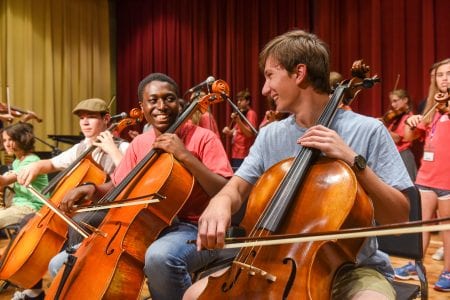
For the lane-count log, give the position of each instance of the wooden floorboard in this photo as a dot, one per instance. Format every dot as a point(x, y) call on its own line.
point(433, 269)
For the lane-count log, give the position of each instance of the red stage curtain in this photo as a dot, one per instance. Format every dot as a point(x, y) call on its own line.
point(192, 39)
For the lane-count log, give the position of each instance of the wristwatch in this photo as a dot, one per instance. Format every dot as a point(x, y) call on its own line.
point(359, 163)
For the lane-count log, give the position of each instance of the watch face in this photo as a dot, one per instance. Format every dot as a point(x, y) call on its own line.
point(360, 162)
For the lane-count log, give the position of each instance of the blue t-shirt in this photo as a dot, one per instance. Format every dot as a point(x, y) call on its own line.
point(365, 135)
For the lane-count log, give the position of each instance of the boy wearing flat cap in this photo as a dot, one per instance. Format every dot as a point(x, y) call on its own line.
point(94, 118)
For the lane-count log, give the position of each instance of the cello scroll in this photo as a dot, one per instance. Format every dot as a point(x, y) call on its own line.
point(359, 81)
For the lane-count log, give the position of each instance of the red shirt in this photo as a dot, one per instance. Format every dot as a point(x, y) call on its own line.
point(434, 170)
point(240, 143)
point(398, 127)
point(207, 121)
point(202, 143)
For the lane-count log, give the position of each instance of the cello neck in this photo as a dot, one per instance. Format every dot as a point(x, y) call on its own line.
point(152, 155)
point(279, 206)
point(54, 182)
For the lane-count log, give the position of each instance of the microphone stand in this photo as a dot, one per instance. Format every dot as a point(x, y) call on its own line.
point(241, 115)
point(55, 150)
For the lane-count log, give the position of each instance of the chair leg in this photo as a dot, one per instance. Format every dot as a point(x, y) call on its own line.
point(421, 273)
point(3, 285)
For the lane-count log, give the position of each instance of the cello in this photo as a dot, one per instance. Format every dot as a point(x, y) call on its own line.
point(134, 123)
point(280, 203)
point(44, 235)
point(118, 257)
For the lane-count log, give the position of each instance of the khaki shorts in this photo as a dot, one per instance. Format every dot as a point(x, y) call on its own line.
point(14, 214)
point(352, 281)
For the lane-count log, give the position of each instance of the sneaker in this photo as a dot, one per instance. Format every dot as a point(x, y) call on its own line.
point(443, 284)
point(29, 295)
point(406, 272)
point(439, 254)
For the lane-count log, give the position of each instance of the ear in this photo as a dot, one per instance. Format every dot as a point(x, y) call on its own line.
point(107, 118)
point(300, 71)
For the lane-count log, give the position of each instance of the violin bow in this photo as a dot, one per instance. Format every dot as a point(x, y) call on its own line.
point(391, 229)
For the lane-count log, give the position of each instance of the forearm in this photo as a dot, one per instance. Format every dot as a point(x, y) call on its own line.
point(44, 167)
point(390, 205)
point(236, 191)
point(410, 134)
point(8, 178)
point(102, 189)
point(209, 181)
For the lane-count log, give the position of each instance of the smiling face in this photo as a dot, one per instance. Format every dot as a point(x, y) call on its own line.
point(279, 85)
point(160, 105)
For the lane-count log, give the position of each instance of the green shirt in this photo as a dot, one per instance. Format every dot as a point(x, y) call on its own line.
point(21, 195)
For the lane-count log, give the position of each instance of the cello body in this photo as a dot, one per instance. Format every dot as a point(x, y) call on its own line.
point(330, 199)
point(111, 266)
point(45, 234)
point(306, 194)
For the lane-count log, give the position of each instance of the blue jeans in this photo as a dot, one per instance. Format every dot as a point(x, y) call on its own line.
point(58, 261)
point(74, 238)
point(169, 261)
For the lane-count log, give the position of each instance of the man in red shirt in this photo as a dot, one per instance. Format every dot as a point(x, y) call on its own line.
point(169, 260)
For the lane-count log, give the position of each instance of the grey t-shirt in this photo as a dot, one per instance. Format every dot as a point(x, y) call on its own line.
point(365, 135)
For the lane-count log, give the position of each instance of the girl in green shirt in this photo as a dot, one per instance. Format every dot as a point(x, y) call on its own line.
point(18, 139)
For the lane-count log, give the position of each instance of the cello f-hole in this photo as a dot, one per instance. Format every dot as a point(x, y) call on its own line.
point(226, 287)
point(292, 276)
point(109, 250)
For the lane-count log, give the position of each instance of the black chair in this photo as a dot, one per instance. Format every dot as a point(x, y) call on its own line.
point(408, 246)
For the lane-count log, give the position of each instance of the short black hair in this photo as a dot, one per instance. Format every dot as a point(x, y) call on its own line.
point(156, 77)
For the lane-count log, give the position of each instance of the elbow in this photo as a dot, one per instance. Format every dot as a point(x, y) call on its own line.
point(404, 215)
point(403, 212)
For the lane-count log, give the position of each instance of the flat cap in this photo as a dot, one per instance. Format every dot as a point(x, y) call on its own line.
point(92, 105)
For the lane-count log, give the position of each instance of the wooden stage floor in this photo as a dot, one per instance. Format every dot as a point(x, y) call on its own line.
point(433, 268)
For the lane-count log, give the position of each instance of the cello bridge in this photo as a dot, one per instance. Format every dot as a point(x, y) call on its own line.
point(256, 271)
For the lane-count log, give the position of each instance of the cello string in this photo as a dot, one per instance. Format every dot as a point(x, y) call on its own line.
point(300, 163)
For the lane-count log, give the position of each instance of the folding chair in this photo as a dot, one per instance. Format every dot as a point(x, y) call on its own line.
point(408, 246)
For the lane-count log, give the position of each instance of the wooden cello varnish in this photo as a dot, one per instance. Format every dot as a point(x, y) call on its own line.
point(45, 234)
point(305, 194)
point(111, 266)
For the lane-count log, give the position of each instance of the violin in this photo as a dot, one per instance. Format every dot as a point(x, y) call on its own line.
point(134, 123)
point(441, 104)
point(111, 266)
point(18, 112)
point(274, 115)
point(392, 115)
point(280, 202)
point(442, 101)
point(240, 115)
